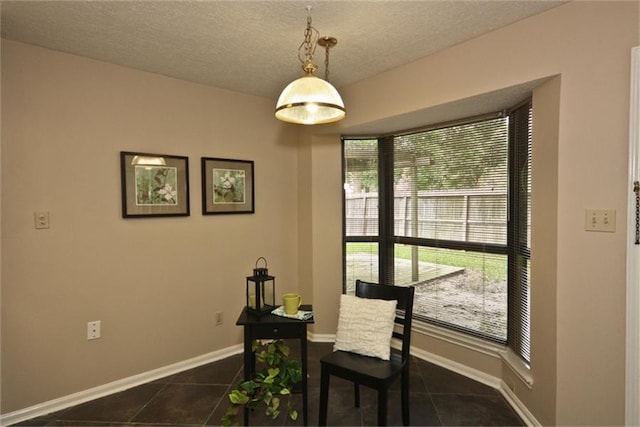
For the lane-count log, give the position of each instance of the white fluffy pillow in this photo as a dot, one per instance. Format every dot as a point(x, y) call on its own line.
point(365, 326)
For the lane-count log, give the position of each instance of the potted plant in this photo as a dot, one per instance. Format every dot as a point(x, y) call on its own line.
point(275, 376)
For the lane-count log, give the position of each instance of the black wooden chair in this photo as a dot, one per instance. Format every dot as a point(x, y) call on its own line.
point(371, 371)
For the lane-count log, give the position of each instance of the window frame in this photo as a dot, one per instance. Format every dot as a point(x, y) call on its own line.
point(386, 238)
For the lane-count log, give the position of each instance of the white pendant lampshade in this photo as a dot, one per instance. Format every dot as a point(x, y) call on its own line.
point(310, 100)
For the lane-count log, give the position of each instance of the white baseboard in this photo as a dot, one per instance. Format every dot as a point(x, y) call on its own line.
point(474, 374)
point(126, 383)
point(322, 337)
point(517, 405)
point(482, 377)
point(115, 386)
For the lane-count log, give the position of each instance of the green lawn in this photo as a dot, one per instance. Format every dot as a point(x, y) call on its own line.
point(495, 266)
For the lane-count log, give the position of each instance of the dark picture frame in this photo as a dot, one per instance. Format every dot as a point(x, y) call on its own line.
point(227, 186)
point(154, 185)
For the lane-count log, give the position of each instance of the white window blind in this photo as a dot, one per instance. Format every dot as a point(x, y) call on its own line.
point(450, 213)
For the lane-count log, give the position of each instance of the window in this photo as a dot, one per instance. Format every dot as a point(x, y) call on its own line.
point(446, 209)
point(520, 125)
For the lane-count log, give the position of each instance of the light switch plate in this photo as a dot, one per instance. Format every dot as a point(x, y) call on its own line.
point(600, 220)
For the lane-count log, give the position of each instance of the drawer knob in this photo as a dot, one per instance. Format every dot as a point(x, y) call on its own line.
point(275, 330)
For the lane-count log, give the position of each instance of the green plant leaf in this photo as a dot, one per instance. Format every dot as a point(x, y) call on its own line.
point(231, 413)
point(293, 414)
point(270, 359)
point(275, 375)
point(248, 386)
point(273, 372)
point(284, 350)
point(237, 397)
point(275, 414)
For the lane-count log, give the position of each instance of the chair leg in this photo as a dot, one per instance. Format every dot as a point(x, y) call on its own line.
point(382, 406)
point(404, 386)
point(356, 394)
point(324, 396)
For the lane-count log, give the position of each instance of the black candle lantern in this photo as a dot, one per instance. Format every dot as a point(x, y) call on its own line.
point(261, 290)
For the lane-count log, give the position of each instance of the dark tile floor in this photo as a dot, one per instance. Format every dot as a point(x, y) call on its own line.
point(198, 397)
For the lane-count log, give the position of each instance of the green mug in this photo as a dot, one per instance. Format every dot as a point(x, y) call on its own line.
point(291, 303)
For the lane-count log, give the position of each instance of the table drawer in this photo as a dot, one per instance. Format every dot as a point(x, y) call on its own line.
point(292, 330)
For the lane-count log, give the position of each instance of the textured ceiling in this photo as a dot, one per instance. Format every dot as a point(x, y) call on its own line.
point(251, 46)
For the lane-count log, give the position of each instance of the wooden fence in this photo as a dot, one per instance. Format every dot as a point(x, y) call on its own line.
point(462, 215)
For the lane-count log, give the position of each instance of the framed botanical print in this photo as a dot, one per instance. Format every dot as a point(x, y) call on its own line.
point(227, 186)
point(154, 185)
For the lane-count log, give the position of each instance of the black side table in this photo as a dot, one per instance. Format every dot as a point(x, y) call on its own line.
point(270, 326)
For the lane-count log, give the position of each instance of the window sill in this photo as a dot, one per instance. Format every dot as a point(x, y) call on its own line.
point(458, 338)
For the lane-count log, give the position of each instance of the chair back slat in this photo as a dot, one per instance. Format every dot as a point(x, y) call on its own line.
point(404, 295)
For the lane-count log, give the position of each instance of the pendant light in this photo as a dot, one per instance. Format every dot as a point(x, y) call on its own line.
point(311, 100)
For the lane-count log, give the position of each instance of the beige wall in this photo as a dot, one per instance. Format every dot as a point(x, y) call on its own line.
point(154, 283)
point(66, 118)
point(581, 139)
